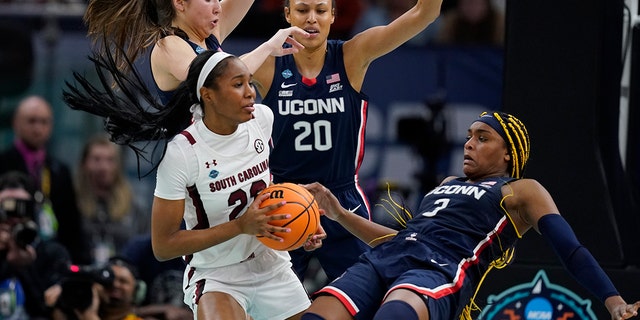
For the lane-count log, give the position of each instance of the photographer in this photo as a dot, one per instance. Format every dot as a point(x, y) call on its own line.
point(109, 292)
point(35, 265)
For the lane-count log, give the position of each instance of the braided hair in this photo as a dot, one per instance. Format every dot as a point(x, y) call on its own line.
point(515, 136)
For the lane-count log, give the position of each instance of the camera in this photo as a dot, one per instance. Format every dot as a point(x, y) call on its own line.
point(77, 284)
point(19, 213)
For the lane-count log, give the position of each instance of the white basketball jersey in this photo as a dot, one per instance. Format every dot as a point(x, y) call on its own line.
point(218, 183)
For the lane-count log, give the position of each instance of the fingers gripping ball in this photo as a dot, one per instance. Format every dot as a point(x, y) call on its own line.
point(304, 220)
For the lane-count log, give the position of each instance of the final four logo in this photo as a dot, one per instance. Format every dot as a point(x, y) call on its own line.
point(537, 300)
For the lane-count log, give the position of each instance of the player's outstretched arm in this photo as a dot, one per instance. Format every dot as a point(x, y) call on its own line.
point(366, 230)
point(578, 261)
point(377, 41)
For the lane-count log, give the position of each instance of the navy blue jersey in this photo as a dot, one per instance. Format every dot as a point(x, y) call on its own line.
point(212, 44)
point(464, 220)
point(318, 135)
point(319, 128)
point(459, 229)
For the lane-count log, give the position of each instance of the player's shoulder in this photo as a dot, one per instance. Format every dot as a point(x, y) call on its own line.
point(171, 39)
point(447, 179)
point(262, 111)
point(526, 183)
point(183, 141)
point(171, 43)
point(182, 137)
point(528, 189)
point(260, 106)
point(180, 149)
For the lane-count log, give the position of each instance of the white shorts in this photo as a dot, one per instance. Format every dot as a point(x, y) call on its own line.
point(265, 285)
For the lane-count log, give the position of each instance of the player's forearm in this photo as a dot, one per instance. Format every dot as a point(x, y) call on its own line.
point(256, 58)
point(364, 229)
point(186, 242)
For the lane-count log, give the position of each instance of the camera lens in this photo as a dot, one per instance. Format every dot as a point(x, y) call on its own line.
point(25, 233)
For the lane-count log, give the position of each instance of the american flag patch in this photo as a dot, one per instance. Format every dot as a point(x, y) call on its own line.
point(487, 184)
point(333, 78)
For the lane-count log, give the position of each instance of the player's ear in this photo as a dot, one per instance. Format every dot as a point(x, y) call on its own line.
point(205, 93)
point(178, 4)
point(287, 14)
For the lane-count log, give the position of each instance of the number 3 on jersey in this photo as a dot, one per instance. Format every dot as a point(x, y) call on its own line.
point(320, 133)
point(441, 204)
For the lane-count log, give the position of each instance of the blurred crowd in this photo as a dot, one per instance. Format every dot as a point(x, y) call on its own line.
point(76, 238)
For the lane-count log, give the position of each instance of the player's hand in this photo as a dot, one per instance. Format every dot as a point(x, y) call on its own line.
point(286, 36)
point(327, 202)
point(315, 241)
point(627, 311)
point(255, 220)
point(620, 309)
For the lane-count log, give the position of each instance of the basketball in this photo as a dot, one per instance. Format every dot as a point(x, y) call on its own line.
point(304, 220)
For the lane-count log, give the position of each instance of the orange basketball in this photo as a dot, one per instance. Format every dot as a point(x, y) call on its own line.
point(305, 216)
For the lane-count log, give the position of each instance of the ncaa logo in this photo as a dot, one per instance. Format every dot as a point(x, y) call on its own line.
point(537, 300)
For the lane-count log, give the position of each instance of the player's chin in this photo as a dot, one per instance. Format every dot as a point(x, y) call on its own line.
point(467, 170)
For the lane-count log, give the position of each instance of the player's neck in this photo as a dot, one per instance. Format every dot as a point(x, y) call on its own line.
point(310, 61)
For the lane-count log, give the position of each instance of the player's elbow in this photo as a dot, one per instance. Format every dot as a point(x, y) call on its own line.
point(161, 252)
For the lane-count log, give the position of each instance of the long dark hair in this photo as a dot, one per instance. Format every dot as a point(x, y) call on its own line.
point(133, 116)
point(134, 25)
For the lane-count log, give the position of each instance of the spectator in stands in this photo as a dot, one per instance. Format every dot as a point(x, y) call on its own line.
point(471, 22)
point(59, 217)
point(111, 213)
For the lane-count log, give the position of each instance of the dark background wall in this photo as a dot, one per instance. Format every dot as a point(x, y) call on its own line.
point(562, 78)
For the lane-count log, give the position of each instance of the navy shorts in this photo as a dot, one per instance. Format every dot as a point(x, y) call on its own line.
point(364, 286)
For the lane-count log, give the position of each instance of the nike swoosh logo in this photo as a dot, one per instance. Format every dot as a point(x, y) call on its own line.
point(440, 264)
point(354, 209)
point(284, 86)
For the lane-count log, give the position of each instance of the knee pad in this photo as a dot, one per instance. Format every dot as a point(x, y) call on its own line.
point(311, 316)
point(396, 309)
